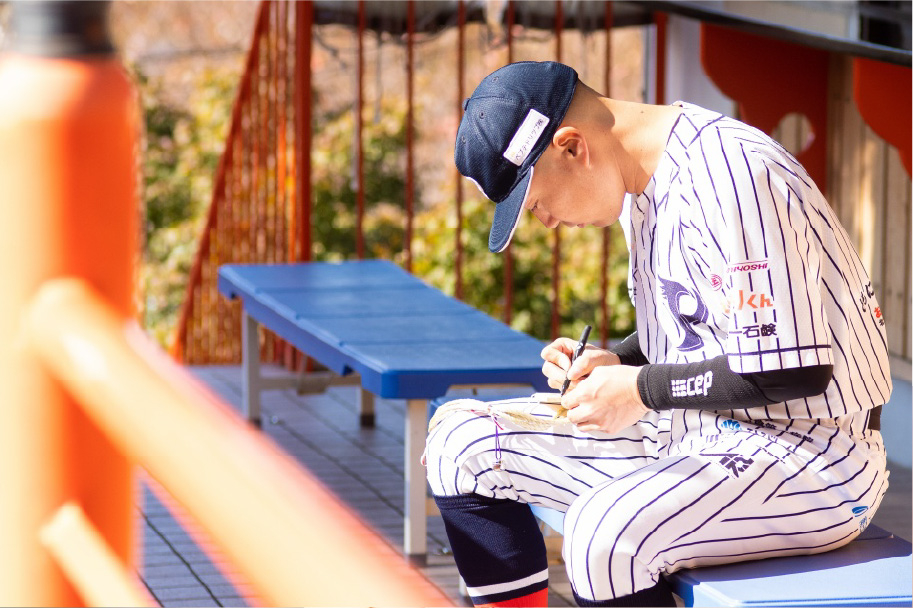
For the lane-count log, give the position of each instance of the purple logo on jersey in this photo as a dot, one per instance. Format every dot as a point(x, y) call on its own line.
point(716, 282)
point(733, 463)
point(674, 292)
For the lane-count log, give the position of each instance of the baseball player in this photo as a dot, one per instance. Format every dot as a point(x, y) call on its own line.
point(740, 420)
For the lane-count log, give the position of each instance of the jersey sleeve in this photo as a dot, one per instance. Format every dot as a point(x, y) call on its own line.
point(777, 318)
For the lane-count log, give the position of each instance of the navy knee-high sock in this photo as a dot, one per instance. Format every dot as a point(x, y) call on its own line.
point(498, 549)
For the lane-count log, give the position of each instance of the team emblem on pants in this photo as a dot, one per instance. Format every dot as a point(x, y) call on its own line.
point(733, 463)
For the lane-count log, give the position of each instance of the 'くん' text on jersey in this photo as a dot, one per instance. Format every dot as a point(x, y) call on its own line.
point(735, 251)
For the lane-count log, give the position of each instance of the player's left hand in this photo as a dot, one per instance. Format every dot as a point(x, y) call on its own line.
point(607, 400)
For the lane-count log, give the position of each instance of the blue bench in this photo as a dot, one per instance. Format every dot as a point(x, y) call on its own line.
point(873, 570)
point(373, 324)
point(876, 569)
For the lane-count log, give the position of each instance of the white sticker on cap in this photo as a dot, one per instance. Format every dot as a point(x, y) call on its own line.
point(526, 137)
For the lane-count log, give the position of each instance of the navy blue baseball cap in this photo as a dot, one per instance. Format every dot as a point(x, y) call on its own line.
point(507, 124)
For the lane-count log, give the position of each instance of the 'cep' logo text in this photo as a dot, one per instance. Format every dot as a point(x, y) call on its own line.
point(698, 385)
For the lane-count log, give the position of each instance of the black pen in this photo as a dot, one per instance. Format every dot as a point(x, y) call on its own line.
point(579, 349)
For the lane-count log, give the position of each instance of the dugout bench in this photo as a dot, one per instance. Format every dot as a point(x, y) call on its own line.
point(371, 323)
point(873, 570)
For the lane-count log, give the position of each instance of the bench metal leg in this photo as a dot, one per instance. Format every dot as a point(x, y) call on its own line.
point(464, 592)
point(366, 408)
point(416, 522)
point(250, 367)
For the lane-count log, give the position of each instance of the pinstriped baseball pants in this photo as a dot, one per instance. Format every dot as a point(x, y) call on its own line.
point(639, 504)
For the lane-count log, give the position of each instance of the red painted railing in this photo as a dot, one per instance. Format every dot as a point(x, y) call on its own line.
point(263, 172)
point(261, 202)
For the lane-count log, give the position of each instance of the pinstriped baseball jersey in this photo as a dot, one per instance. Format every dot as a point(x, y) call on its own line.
point(735, 251)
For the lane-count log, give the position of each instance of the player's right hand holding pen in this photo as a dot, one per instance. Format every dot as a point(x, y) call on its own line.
point(602, 394)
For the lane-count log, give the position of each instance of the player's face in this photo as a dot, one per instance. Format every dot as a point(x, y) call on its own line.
point(577, 200)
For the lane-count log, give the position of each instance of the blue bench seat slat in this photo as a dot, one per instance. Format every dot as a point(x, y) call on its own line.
point(391, 368)
point(366, 273)
point(414, 300)
point(869, 572)
point(438, 328)
point(876, 569)
point(407, 340)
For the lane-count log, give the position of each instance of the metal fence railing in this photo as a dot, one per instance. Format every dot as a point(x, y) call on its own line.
point(261, 205)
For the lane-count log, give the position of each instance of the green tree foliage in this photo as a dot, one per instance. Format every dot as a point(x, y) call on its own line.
point(182, 149)
point(434, 242)
point(531, 251)
point(335, 186)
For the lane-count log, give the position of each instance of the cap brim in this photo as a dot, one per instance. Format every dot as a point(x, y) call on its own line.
point(507, 215)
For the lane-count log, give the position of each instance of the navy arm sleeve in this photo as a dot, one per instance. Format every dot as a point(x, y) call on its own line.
point(712, 385)
point(629, 351)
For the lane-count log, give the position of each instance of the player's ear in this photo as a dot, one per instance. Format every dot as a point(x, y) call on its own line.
point(572, 144)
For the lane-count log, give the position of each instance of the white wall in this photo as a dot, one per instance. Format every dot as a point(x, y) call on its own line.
point(685, 78)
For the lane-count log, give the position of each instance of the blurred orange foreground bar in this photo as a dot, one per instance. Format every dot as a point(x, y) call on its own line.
point(84, 396)
point(67, 166)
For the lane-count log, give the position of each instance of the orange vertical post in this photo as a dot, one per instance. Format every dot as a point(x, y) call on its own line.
point(281, 89)
point(270, 128)
point(606, 233)
point(304, 198)
point(556, 243)
point(410, 129)
point(508, 254)
point(359, 136)
point(304, 19)
point(660, 20)
point(68, 124)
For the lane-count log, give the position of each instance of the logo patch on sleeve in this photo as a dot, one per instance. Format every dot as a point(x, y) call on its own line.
point(677, 296)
